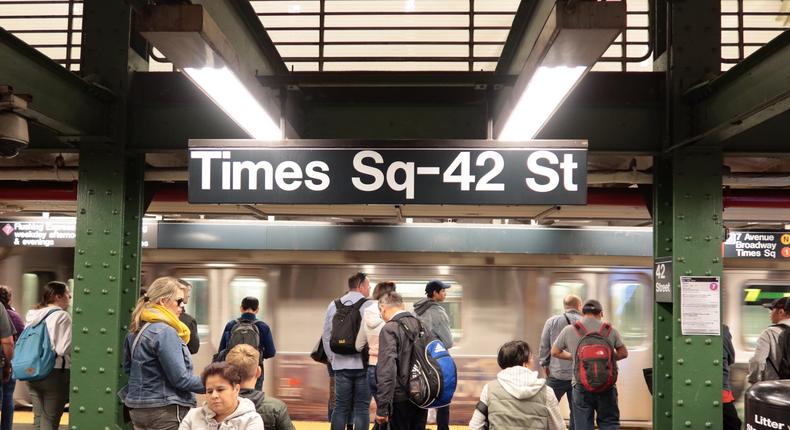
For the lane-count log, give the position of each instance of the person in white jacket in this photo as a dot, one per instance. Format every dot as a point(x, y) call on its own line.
point(224, 409)
point(49, 395)
point(517, 398)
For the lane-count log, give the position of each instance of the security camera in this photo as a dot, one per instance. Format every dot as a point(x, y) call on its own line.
point(13, 127)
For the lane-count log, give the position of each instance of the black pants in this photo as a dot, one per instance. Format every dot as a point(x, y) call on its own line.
point(407, 416)
point(731, 420)
point(443, 418)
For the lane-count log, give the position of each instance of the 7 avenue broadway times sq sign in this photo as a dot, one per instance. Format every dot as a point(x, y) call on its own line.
point(357, 172)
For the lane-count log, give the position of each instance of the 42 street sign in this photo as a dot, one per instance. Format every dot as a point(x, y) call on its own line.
point(359, 172)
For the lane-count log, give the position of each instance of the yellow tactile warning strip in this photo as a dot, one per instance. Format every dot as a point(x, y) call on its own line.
point(26, 417)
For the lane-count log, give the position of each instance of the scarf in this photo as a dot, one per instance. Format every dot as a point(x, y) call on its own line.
point(154, 313)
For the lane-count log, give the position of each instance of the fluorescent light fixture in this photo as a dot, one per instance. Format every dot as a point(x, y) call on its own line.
point(544, 93)
point(410, 5)
point(222, 86)
point(193, 42)
point(564, 48)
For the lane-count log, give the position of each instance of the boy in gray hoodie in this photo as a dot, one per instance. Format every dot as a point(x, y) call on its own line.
point(434, 318)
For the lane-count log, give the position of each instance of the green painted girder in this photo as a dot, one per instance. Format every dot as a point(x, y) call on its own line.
point(745, 97)
point(57, 93)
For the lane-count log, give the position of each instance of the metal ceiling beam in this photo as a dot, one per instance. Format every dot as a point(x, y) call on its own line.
point(58, 94)
point(743, 98)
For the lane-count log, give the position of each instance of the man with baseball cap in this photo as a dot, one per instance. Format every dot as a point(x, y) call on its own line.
point(435, 319)
point(764, 364)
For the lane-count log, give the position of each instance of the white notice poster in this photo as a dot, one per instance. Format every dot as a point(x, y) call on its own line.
point(700, 305)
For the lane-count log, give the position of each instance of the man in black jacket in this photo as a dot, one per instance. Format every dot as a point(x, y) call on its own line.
point(395, 349)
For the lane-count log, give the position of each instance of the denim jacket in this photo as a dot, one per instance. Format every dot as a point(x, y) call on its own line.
point(160, 373)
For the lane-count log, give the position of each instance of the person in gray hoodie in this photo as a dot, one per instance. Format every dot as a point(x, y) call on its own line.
point(434, 318)
point(517, 398)
point(224, 409)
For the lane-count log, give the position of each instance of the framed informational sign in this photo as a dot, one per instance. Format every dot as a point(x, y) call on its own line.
point(371, 172)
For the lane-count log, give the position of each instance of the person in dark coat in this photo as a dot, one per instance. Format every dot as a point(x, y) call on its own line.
point(395, 349)
point(194, 341)
point(7, 414)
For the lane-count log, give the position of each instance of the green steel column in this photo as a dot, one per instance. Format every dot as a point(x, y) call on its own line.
point(106, 273)
point(662, 312)
point(110, 208)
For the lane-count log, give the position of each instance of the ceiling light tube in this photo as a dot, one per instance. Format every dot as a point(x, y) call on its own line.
point(570, 42)
point(192, 41)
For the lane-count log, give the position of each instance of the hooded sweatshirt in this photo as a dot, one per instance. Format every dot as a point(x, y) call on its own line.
point(245, 417)
point(59, 330)
point(521, 383)
point(434, 318)
point(369, 332)
point(273, 411)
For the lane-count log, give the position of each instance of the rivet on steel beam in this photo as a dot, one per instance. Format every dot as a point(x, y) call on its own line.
point(715, 362)
point(111, 311)
point(667, 414)
point(85, 329)
point(109, 350)
point(104, 291)
point(127, 243)
point(91, 192)
point(82, 409)
point(687, 381)
point(113, 252)
point(667, 337)
point(708, 341)
point(680, 217)
point(708, 238)
point(124, 328)
point(80, 251)
point(681, 361)
point(86, 291)
point(708, 424)
point(688, 238)
point(680, 402)
point(84, 369)
point(682, 259)
point(102, 330)
point(667, 376)
point(83, 211)
point(688, 341)
point(111, 278)
point(660, 395)
point(89, 231)
point(77, 349)
point(127, 233)
point(715, 217)
point(134, 255)
point(688, 272)
point(101, 370)
point(716, 403)
point(87, 264)
point(708, 383)
point(708, 273)
point(108, 192)
point(100, 410)
point(687, 423)
point(79, 277)
point(115, 211)
point(77, 310)
point(108, 390)
point(105, 264)
point(661, 318)
point(687, 196)
point(660, 356)
point(127, 267)
point(106, 231)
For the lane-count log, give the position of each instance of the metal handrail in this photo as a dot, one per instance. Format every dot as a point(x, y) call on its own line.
point(623, 59)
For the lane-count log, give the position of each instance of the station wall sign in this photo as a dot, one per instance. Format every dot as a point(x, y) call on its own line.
point(757, 244)
point(55, 233)
point(662, 269)
point(330, 172)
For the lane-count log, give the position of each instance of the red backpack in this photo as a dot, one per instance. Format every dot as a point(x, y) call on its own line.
point(595, 364)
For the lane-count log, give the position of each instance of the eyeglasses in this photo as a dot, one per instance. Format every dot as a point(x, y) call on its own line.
point(180, 302)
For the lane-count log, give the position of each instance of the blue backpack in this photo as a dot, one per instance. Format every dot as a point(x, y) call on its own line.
point(432, 375)
point(34, 357)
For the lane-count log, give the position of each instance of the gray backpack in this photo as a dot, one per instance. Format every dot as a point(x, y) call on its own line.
point(245, 331)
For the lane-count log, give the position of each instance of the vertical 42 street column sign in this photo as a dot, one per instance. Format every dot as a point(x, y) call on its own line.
point(363, 172)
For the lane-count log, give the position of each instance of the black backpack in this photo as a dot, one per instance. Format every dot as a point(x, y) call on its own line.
point(245, 331)
point(345, 327)
point(432, 375)
point(783, 347)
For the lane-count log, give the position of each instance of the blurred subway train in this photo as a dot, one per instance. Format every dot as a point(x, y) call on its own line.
point(494, 298)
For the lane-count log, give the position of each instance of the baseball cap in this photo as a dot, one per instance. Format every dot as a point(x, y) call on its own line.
point(780, 303)
point(435, 286)
point(592, 307)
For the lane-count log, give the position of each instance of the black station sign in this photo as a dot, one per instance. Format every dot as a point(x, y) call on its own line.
point(352, 175)
point(758, 244)
point(662, 268)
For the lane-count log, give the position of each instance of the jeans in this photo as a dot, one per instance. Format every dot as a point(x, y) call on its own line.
point(7, 412)
point(562, 387)
point(162, 418)
point(443, 418)
point(372, 381)
point(49, 397)
point(407, 416)
point(351, 394)
point(587, 405)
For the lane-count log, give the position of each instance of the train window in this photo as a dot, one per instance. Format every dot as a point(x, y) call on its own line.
point(560, 289)
point(754, 317)
point(244, 286)
point(198, 305)
point(627, 311)
point(412, 291)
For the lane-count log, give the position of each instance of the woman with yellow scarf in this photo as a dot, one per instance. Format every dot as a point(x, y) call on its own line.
point(161, 383)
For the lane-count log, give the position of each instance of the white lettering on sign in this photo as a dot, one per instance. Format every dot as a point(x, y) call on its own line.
point(550, 176)
point(765, 421)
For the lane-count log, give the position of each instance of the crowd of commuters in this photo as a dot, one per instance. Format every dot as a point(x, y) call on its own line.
point(370, 361)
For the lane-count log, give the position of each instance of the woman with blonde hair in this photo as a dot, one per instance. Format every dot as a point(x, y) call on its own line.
point(161, 383)
point(49, 395)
